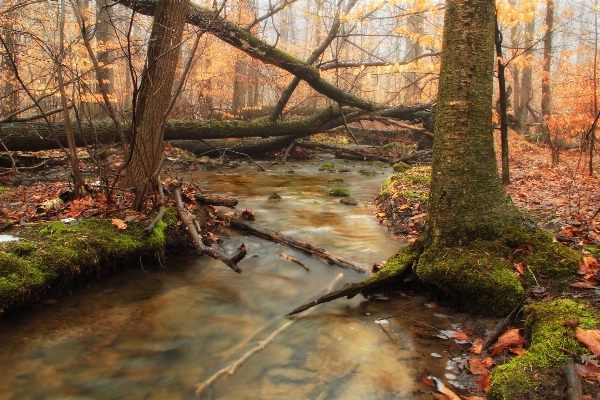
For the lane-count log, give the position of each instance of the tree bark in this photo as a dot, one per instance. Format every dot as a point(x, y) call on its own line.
point(36, 136)
point(154, 96)
point(467, 198)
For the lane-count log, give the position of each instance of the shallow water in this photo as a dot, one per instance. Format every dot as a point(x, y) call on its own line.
point(156, 333)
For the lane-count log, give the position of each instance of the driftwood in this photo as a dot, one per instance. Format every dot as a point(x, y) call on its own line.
point(291, 242)
point(215, 200)
point(500, 327)
point(231, 262)
point(294, 260)
point(231, 369)
point(574, 389)
point(348, 153)
point(412, 156)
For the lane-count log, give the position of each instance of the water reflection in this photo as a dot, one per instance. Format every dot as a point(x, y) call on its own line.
point(156, 333)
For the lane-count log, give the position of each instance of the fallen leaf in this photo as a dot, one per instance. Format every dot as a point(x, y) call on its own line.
point(428, 381)
point(522, 249)
point(583, 285)
point(439, 396)
point(478, 367)
point(520, 268)
point(587, 370)
point(511, 340)
point(476, 348)
point(458, 335)
point(119, 223)
point(484, 382)
point(49, 302)
point(572, 323)
point(590, 359)
point(590, 338)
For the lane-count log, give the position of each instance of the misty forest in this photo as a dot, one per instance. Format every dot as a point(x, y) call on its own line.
point(304, 199)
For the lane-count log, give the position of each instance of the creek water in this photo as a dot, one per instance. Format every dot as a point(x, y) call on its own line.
point(154, 333)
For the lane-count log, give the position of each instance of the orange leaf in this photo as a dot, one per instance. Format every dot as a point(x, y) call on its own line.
point(587, 370)
point(484, 382)
point(477, 346)
point(520, 269)
point(590, 339)
point(477, 367)
point(509, 340)
point(119, 223)
point(428, 381)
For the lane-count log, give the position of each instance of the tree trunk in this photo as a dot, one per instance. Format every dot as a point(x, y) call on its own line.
point(527, 78)
point(546, 65)
point(154, 96)
point(467, 197)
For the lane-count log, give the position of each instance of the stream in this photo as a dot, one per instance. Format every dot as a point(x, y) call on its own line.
point(155, 333)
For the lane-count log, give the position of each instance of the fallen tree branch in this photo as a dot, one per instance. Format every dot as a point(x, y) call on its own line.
point(294, 260)
point(297, 244)
point(338, 151)
point(215, 200)
point(574, 389)
point(231, 369)
point(500, 327)
point(161, 211)
point(231, 262)
point(412, 156)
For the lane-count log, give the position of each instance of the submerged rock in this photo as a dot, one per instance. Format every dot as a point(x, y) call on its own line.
point(349, 201)
point(274, 196)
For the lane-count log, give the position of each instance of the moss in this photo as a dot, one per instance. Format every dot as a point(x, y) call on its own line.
point(367, 172)
point(544, 326)
point(474, 275)
point(344, 170)
point(349, 201)
point(274, 196)
point(593, 249)
point(401, 167)
point(54, 253)
point(399, 263)
point(339, 192)
point(335, 180)
point(327, 167)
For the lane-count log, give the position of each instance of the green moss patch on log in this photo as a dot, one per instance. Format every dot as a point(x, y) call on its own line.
point(544, 326)
point(53, 255)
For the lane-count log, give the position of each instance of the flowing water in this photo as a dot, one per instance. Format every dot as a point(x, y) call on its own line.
point(155, 333)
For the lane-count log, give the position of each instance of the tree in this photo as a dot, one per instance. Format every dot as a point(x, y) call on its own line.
point(472, 225)
point(154, 97)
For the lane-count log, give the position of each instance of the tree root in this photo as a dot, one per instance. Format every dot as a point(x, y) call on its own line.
point(297, 244)
point(231, 262)
point(215, 200)
point(231, 369)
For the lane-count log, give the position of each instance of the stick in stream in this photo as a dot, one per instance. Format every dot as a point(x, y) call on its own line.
point(231, 262)
point(292, 259)
point(297, 244)
point(232, 368)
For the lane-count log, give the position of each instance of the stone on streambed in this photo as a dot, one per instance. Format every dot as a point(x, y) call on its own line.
point(274, 196)
point(349, 201)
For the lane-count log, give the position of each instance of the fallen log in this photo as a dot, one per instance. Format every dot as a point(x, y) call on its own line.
point(201, 249)
point(412, 156)
point(291, 242)
point(339, 151)
point(215, 200)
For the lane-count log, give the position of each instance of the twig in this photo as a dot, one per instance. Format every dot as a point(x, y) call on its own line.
point(292, 259)
point(161, 211)
point(574, 389)
point(12, 160)
point(288, 151)
point(231, 369)
point(500, 327)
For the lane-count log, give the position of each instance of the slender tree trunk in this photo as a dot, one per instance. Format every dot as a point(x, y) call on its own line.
point(467, 199)
point(546, 68)
point(527, 79)
point(503, 109)
point(105, 38)
point(154, 96)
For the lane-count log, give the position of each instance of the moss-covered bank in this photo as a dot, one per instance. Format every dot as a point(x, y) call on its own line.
point(52, 256)
point(533, 374)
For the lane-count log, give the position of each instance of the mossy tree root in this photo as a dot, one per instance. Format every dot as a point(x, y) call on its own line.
point(231, 262)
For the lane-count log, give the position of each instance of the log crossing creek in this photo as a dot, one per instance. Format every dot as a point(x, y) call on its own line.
point(162, 333)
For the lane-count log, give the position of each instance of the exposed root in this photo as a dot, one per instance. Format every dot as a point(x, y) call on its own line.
point(231, 262)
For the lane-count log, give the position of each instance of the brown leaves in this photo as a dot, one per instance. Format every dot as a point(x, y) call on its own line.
point(510, 340)
point(479, 366)
point(522, 249)
point(572, 323)
point(589, 338)
point(119, 223)
point(588, 267)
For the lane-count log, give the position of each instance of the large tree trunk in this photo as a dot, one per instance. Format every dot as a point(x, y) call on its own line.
point(467, 197)
point(155, 95)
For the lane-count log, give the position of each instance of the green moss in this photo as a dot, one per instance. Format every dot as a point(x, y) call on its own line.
point(339, 192)
point(327, 167)
point(593, 249)
point(335, 180)
point(349, 201)
point(54, 253)
point(344, 170)
point(474, 275)
point(401, 167)
point(367, 172)
point(399, 263)
point(544, 325)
